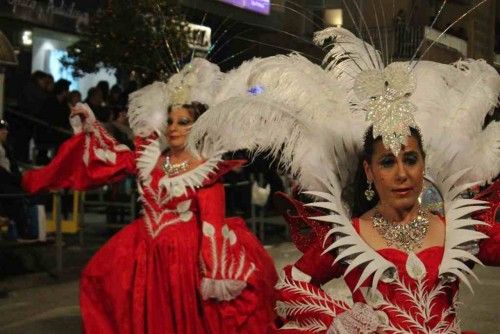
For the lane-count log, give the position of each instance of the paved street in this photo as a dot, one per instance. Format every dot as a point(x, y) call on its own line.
point(54, 308)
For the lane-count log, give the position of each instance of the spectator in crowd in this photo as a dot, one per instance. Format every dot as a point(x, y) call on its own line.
point(49, 84)
point(55, 111)
point(103, 85)
point(30, 101)
point(119, 127)
point(114, 98)
point(95, 101)
point(11, 208)
point(74, 97)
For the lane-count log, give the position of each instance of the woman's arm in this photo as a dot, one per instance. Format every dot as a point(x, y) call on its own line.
point(89, 159)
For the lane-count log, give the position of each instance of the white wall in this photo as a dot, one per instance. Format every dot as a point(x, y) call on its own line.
point(49, 46)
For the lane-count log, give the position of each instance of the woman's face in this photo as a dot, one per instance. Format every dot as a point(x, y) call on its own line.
point(398, 180)
point(179, 124)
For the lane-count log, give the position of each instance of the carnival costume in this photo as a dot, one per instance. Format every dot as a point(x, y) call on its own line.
point(312, 120)
point(182, 267)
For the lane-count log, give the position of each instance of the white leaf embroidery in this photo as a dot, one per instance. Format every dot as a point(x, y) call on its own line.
point(415, 267)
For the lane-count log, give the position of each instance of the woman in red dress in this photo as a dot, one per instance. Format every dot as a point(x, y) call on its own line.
point(182, 267)
point(401, 263)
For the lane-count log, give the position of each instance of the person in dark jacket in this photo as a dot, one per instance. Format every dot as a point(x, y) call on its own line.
point(13, 203)
point(29, 103)
point(55, 111)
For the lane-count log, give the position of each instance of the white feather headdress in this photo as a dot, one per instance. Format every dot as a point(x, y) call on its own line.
point(197, 81)
point(312, 120)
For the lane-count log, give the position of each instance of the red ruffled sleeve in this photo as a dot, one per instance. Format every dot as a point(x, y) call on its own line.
point(86, 160)
point(301, 283)
point(489, 249)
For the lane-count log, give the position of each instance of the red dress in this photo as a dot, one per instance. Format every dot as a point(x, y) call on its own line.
point(180, 268)
point(416, 293)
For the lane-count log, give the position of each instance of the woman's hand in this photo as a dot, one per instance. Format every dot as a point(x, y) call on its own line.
point(79, 110)
point(81, 118)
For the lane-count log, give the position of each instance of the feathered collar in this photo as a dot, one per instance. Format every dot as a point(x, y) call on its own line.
point(149, 150)
point(461, 232)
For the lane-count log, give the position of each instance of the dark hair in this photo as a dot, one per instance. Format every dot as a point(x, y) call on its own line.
point(75, 92)
point(93, 91)
point(355, 193)
point(38, 75)
point(103, 85)
point(61, 85)
point(196, 109)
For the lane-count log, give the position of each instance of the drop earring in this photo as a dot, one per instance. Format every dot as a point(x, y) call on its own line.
point(369, 193)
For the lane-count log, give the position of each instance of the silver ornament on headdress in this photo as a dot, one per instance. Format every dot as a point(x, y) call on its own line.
point(385, 96)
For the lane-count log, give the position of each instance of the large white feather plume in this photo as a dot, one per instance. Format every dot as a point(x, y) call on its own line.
point(235, 82)
point(198, 81)
point(147, 109)
point(348, 55)
point(292, 119)
point(452, 102)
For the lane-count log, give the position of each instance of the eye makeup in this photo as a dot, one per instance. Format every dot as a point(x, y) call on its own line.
point(409, 158)
point(182, 122)
point(387, 161)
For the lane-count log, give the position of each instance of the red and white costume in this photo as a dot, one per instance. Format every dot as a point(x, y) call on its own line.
point(312, 119)
point(180, 268)
point(417, 293)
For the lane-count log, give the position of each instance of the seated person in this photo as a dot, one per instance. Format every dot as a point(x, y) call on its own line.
point(12, 208)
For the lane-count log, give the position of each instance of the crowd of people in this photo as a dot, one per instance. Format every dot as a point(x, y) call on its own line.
point(42, 115)
point(42, 119)
point(365, 136)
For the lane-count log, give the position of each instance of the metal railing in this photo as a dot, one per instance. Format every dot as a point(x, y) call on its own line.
point(35, 120)
point(56, 195)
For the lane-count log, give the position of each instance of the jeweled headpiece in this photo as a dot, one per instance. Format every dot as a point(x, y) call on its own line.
point(385, 96)
point(197, 81)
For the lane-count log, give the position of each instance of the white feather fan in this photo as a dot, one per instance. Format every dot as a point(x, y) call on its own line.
point(292, 119)
point(452, 102)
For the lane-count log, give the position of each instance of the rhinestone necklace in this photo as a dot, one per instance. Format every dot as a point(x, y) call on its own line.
point(404, 236)
point(172, 169)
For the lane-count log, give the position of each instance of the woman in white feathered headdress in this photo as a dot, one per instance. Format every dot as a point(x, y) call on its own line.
point(402, 263)
point(182, 267)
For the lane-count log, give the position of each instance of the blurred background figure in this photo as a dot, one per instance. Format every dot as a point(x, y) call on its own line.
point(95, 100)
point(55, 112)
point(12, 209)
point(119, 127)
point(103, 86)
point(30, 101)
point(74, 97)
point(115, 97)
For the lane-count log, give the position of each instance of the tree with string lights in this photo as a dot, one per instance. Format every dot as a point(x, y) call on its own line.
point(145, 37)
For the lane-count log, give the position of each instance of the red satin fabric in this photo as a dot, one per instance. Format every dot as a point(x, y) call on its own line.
point(489, 250)
point(146, 279)
point(68, 170)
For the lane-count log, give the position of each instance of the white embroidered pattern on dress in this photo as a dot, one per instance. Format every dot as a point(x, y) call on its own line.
point(155, 220)
point(348, 243)
point(230, 272)
point(105, 148)
point(168, 187)
point(416, 317)
point(310, 302)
